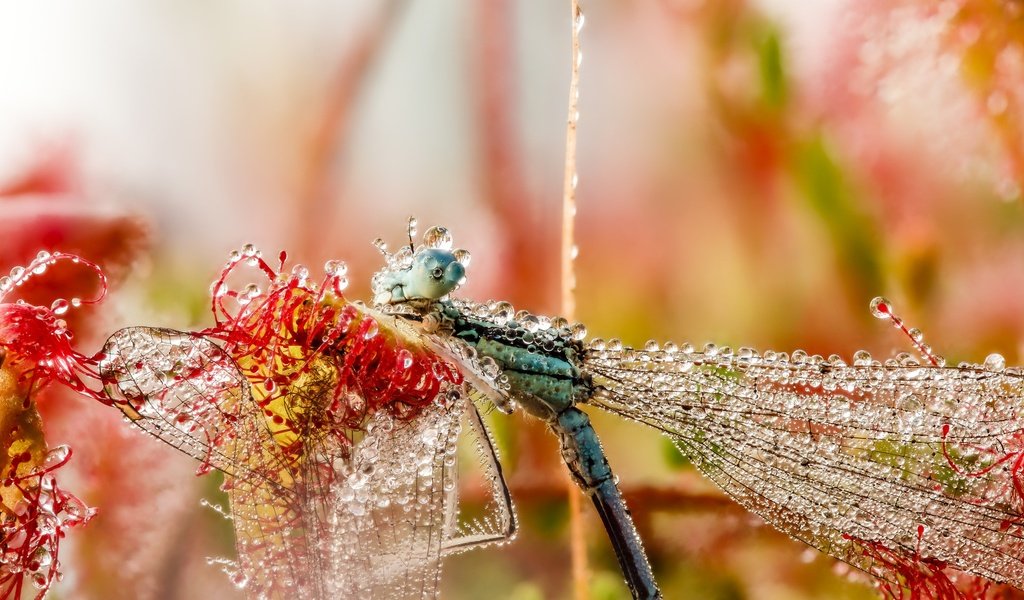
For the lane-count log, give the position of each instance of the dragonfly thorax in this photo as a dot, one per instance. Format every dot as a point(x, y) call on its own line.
point(540, 366)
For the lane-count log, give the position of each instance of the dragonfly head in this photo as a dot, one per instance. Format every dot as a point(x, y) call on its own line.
point(426, 272)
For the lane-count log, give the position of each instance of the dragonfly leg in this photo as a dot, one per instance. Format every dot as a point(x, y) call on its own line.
point(504, 512)
point(585, 458)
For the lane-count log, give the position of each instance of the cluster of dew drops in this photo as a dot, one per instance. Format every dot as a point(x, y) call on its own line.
point(39, 520)
point(43, 261)
point(880, 308)
point(335, 271)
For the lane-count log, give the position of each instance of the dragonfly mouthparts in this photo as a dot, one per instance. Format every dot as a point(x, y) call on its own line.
point(428, 271)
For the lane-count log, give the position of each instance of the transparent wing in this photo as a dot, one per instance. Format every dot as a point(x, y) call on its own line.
point(923, 461)
point(496, 522)
point(368, 510)
point(388, 506)
point(317, 512)
point(185, 390)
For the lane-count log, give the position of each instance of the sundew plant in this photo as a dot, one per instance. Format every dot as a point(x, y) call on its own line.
point(748, 174)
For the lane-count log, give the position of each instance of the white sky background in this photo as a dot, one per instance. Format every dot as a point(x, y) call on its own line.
point(186, 111)
point(179, 107)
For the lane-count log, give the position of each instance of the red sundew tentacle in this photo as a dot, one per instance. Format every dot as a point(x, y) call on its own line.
point(1016, 475)
point(980, 472)
point(296, 334)
point(36, 340)
point(882, 309)
point(42, 262)
point(920, 578)
point(30, 533)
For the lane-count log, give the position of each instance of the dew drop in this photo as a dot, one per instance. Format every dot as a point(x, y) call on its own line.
point(881, 308)
point(489, 368)
point(335, 268)
point(502, 312)
point(57, 455)
point(437, 237)
point(40, 581)
point(463, 257)
point(995, 362)
point(405, 359)
point(578, 331)
point(60, 306)
point(249, 250)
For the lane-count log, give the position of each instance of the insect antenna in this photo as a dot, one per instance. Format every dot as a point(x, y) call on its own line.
point(411, 231)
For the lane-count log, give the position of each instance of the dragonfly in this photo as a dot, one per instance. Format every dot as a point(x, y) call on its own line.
point(335, 424)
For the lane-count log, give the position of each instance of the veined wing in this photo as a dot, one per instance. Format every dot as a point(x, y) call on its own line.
point(858, 461)
point(315, 515)
point(185, 390)
point(496, 523)
point(386, 511)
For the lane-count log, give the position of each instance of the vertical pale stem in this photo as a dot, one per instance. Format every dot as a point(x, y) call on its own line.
point(578, 549)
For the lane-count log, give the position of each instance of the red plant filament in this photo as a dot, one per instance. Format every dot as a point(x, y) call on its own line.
point(32, 529)
point(318, 363)
point(36, 341)
point(1014, 457)
point(905, 575)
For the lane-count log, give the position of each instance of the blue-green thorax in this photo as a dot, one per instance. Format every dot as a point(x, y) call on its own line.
point(541, 365)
